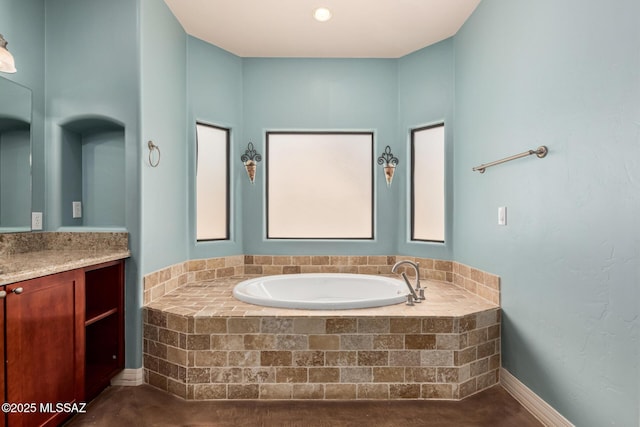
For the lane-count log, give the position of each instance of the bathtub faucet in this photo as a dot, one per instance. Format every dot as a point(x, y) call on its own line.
point(418, 294)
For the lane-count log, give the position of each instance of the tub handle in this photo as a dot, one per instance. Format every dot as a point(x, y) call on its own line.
point(412, 293)
point(410, 299)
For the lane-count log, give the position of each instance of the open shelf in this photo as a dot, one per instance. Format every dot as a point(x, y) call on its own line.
point(102, 315)
point(104, 325)
point(101, 288)
point(103, 356)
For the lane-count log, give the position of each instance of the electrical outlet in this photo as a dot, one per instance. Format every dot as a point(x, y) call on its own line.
point(77, 209)
point(36, 220)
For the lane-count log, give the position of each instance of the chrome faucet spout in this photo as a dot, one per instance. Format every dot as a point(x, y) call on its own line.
point(416, 266)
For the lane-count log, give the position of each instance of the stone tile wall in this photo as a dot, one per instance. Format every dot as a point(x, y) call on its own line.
point(303, 357)
point(158, 283)
point(478, 282)
point(161, 282)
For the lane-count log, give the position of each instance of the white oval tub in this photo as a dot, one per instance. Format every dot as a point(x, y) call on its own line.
point(322, 291)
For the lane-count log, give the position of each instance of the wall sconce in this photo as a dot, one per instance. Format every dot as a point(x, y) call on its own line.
point(7, 63)
point(250, 158)
point(389, 163)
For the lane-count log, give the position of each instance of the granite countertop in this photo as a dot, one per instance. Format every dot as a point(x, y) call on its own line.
point(30, 265)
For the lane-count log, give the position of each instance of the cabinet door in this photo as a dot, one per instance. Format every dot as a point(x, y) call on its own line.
point(45, 345)
point(3, 294)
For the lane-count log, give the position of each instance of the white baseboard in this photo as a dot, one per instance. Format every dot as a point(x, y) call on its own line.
point(129, 377)
point(532, 402)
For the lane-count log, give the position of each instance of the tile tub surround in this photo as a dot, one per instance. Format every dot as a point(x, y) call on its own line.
point(161, 282)
point(202, 344)
point(478, 282)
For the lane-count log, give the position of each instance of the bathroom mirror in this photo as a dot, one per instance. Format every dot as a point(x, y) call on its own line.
point(15, 157)
point(319, 185)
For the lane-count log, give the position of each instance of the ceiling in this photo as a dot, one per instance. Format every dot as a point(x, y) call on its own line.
point(286, 28)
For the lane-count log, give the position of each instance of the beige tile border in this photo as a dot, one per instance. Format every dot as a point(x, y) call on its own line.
point(478, 282)
point(159, 283)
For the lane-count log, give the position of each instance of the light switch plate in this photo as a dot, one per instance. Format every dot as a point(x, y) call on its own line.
point(77, 209)
point(502, 215)
point(36, 220)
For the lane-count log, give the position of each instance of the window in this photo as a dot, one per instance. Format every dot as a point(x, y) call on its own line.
point(212, 182)
point(427, 183)
point(319, 185)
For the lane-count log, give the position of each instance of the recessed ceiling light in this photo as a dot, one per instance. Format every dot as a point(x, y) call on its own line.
point(322, 14)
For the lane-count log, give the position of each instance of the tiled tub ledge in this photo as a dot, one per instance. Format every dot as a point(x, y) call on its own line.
point(202, 344)
point(157, 284)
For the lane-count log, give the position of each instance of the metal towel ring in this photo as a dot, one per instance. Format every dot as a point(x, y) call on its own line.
point(153, 147)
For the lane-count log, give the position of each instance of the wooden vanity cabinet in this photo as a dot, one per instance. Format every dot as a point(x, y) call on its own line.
point(64, 340)
point(3, 294)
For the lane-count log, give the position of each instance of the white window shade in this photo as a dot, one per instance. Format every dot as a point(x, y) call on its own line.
point(427, 186)
point(212, 200)
point(319, 185)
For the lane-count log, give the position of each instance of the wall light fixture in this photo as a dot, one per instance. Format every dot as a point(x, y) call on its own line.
point(7, 63)
point(389, 162)
point(250, 158)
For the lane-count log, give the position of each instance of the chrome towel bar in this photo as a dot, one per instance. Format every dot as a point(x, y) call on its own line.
point(540, 152)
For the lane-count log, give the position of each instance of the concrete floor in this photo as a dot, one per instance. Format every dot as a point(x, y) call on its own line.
point(146, 406)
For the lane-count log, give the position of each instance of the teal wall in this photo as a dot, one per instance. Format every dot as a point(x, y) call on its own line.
point(214, 92)
point(320, 94)
point(163, 46)
point(425, 96)
point(84, 82)
point(566, 75)
point(92, 165)
point(254, 95)
point(71, 175)
point(103, 172)
point(92, 84)
point(163, 189)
